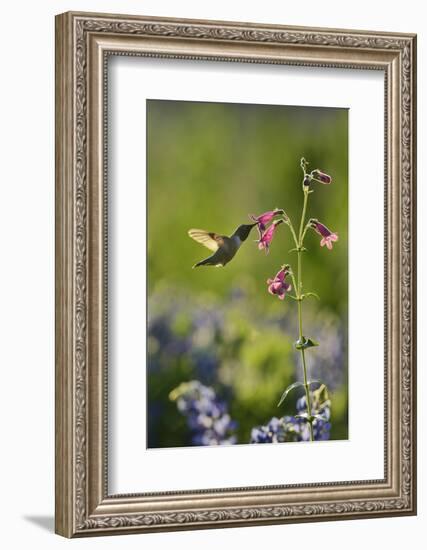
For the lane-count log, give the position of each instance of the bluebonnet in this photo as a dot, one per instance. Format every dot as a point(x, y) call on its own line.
point(296, 428)
point(321, 424)
point(273, 432)
point(210, 423)
point(207, 416)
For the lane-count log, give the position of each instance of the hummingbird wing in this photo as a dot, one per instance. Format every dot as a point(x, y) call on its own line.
point(211, 240)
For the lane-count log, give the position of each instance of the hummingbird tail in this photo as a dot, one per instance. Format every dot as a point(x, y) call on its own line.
point(208, 261)
point(203, 262)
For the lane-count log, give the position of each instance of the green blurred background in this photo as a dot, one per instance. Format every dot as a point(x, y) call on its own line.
point(209, 165)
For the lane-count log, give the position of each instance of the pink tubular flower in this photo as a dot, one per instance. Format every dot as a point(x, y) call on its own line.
point(267, 236)
point(327, 236)
point(264, 219)
point(321, 176)
point(278, 286)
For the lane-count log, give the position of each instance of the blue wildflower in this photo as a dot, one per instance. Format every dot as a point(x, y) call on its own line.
point(273, 432)
point(207, 417)
point(296, 428)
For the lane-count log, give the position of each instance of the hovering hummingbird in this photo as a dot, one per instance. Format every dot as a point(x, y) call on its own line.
point(224, 248)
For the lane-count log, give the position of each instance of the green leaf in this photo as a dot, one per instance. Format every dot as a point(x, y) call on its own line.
point(288, 389)
point(298, 385)
point(308, 294)
point(304, 343)
point(321, 394)
point(310, 343)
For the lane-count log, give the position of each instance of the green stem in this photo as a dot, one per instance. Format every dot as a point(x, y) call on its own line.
point(305, 231)
point(304, 210)
point(299, 293)
point(291, 227)
point(295, 286)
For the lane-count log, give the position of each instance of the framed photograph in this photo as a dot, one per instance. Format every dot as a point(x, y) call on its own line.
point(235, 274)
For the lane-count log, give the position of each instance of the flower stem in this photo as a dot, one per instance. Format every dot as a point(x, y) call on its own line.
point(301, 225)
point(295, 286)
point(299, 293)
point(291, 227)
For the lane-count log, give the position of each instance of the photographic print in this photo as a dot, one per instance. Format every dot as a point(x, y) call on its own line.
point(247, 273)
point(209, 299)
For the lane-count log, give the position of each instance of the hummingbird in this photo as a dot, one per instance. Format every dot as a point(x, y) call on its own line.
point(224, 248)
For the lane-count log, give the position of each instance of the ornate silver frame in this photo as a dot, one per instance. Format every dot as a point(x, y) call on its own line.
point(83, 42)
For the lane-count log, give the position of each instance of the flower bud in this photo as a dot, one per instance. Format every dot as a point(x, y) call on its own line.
point(321, 177)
